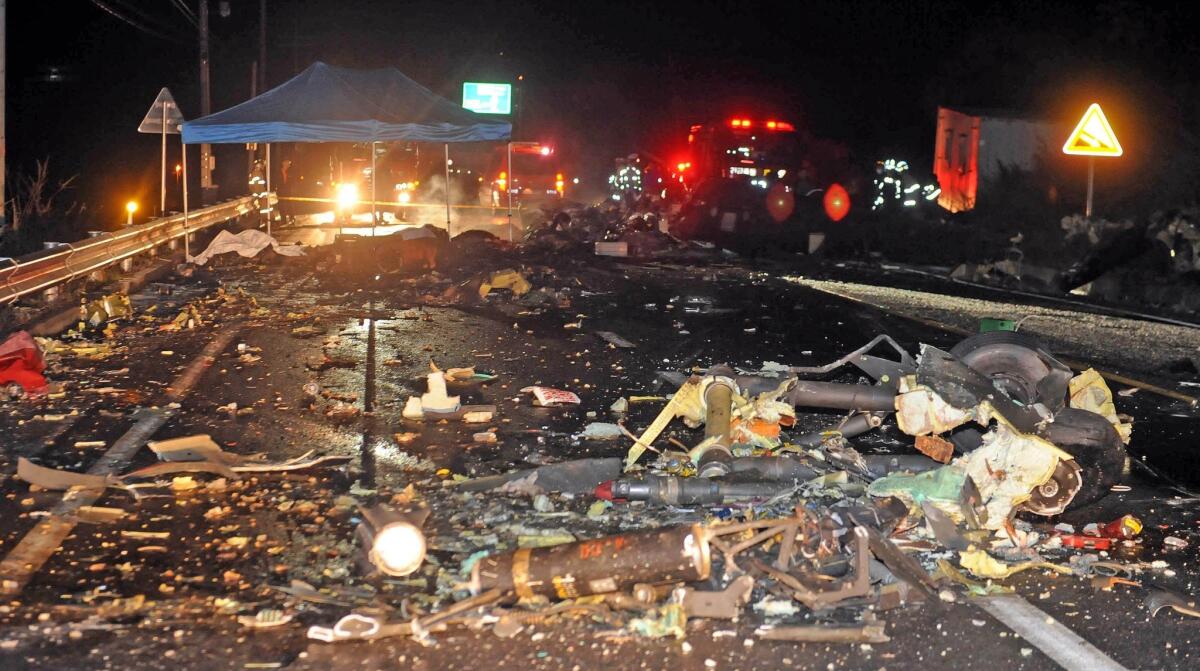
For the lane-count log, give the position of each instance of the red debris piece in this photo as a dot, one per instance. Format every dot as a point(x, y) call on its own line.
point(1087, 542)
point(21, 362)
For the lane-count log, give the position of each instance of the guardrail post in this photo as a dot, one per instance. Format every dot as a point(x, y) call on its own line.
point(173, 244)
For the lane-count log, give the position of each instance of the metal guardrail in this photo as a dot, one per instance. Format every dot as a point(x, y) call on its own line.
point(42, 270)
point(394, 203)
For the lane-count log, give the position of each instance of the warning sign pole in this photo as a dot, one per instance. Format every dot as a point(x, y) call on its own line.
point(1087, 212)
point(162, 119)
point(162, 185)
point(1092, 137)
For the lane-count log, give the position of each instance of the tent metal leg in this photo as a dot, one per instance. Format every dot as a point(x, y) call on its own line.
point(187, 250)
point(447, 145)
point(508, 182)
point(374, 184)
point(270, 212)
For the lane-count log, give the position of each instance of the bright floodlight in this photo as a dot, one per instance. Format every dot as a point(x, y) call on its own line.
point(131, 207)
point(347, 196)
point(399, 549)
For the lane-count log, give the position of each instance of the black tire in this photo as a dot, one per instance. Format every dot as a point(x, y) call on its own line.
point(1097, 448)
point(1020, 364)
point(1031, 375)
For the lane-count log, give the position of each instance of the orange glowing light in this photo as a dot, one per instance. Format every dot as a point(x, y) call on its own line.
point(836, 202)
point(1093, 136)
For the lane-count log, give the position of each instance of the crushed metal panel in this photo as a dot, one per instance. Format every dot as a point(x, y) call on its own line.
point(200, 447)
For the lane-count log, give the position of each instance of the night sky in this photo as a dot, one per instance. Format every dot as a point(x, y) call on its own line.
point(608, 78)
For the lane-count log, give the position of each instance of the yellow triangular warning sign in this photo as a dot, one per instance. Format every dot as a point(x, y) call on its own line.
point(1093, 136)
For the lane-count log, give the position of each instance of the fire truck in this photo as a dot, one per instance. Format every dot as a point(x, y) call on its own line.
point(756, 176)
point(534, 177)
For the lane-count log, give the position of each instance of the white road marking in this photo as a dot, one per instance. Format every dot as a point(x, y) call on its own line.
point(44, 539)
point(1047, 634)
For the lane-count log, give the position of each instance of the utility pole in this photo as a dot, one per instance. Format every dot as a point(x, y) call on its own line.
point(3, 139)
point(206, 160)
point(262, 46)
point(252, 148)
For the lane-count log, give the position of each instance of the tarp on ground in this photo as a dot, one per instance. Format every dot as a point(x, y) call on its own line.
point(247, 244)
point(326, 103)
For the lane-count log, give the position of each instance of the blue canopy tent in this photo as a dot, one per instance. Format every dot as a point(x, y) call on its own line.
point(326, 103)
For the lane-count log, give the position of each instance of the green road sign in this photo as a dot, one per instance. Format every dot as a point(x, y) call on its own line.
point(487, 98)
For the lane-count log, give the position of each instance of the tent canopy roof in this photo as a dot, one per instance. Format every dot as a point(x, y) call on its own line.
point(326, 103)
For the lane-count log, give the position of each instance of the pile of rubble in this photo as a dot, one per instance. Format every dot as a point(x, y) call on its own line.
point(607, 231)
point(758, 520)
point(1152, 262)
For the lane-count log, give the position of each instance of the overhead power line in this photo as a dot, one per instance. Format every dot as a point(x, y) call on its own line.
point(187, 12)
point(142, 16)
point(140, 26)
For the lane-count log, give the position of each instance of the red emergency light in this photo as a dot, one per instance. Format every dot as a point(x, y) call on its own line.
point(532, 148)
point(771, 125)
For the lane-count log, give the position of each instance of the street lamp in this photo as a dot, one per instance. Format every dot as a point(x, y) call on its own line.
point(130, 208)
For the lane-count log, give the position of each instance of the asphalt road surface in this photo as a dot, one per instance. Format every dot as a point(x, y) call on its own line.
point(213, 551)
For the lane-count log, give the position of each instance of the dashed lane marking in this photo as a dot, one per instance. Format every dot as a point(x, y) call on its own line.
point(44, 539)
point(1047, 634)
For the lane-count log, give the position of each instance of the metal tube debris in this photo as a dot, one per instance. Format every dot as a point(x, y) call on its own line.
point(774, 469)
point(855, 426)
point(598, 566)
point(714, 461)
point(677, 491)
point(809, 394)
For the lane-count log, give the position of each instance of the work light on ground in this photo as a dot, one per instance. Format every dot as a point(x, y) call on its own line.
point(347, 196)
point(392, 538)
point(404, 192)
point(130, 208)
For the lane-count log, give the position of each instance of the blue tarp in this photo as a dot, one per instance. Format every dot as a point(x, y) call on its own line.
point(326, 103)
